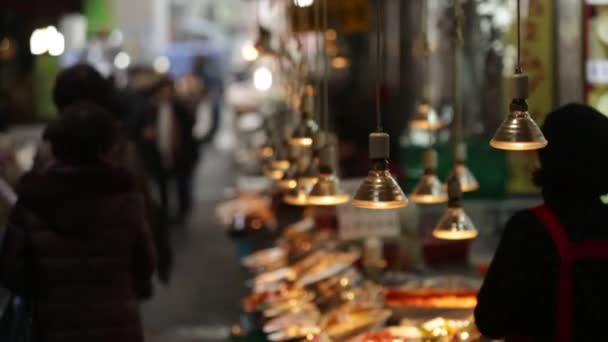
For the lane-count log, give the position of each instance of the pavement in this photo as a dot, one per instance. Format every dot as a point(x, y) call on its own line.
point(202, 299)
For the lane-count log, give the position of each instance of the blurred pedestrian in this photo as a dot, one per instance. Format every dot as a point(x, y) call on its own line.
point(78, 247)
point(83, 83)
point(164, 132)
point(548, 278)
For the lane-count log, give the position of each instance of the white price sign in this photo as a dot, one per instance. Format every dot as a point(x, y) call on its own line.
point(356, 223)
point(597, 71)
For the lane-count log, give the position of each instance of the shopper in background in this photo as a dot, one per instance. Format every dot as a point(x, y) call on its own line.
point(549, 275)
point(78, 247)
point(83, 83)
point(164, 132)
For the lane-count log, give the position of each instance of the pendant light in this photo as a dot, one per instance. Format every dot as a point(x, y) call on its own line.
point(281, 160)
point(379, 190)
point(425, 117)
point(288, 181)
point(310, 172)
point(455, 224)
point(307, 127)
point(467, 180)
point(327, 191)
point(519, 132)
point(430, 189)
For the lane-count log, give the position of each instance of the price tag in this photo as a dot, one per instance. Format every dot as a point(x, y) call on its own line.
point(356, 223)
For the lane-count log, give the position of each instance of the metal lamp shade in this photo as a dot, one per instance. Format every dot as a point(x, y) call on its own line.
point(265, 151)
point(426, 118)
point(304, 133)
point(380, 191)
point(272, 173)
point(327, 191)
point(288, 181)
point(455, 224)
point(518, 133)
point(468, 182)
point(429, 190)
point(298, 196)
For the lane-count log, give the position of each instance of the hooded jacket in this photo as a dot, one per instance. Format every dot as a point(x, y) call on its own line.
point(78, 245)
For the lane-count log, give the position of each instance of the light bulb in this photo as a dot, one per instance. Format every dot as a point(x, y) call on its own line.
point(122, 60)
point(262, 79)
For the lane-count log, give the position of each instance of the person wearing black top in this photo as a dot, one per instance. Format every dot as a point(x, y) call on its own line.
point(548, 280)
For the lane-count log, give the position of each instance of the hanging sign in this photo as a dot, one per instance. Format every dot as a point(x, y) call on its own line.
point(357, 224)
point(342, 16)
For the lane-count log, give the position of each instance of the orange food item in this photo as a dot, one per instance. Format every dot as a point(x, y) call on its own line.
point(432, 298)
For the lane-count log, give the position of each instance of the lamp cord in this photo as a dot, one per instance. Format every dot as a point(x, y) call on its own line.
point(317, 93)
point(518, 68)
point(378, 66)
point(325, 70)
point(458, 41)
point(425, 50)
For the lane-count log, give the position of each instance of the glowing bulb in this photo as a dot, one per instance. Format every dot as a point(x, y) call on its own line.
point(38, 42)
point(249, 52)
point(340, 62)
point(262, 79)
point(122, 60)
point(161, 64)
point(55, 41)
point(47, 39)
point(303, 3)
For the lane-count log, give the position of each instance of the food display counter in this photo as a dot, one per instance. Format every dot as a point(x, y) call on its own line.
point(310, 286)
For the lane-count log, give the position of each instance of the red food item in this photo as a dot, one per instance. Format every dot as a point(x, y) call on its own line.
point(432, 298)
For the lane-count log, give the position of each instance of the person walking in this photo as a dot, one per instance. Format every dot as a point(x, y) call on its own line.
point(80, 83)
point(548, 278)
point(78, 246)
point(164, 132)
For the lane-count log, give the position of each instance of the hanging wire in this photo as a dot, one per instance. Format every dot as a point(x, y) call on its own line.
point(458, 41)
point(518, 68)
point(325, 70)
point(318, 83)
point(378, 66)
point(425, 49)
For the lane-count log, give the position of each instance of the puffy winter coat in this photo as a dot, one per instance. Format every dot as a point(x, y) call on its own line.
point(91, 251)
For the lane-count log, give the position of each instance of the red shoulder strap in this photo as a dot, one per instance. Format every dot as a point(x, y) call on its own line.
point(554, 228)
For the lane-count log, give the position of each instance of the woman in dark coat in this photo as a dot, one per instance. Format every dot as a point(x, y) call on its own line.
point(549, 277)
point(78, 244)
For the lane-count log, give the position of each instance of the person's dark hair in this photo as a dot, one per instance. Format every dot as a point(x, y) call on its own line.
point(84, 133)
point(573, 162)
point(79, 83)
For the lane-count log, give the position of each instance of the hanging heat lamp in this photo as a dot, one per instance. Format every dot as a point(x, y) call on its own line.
point(379, 190)
point(309, 175)
point(306, 129)
point(467, 180)
point(289, 180)
point(425, 117)
point(327, 191)
point(519, 132)
point(455, 224)
point(430, 189)
point(281, 160)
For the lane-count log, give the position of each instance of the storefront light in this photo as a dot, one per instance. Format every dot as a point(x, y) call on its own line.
point(262, 79)
point(47, 39)
point(303, 3)
point(122, 60)
point(161, 64)
point(249, 52)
